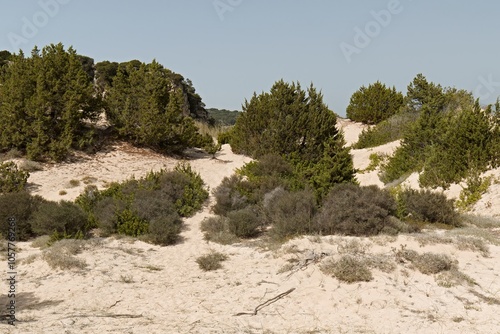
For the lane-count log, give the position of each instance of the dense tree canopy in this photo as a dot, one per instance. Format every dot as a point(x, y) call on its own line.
point(451, 138)
point(45, 100)
point(374, 103)
point(146, 107)
point(296, 124)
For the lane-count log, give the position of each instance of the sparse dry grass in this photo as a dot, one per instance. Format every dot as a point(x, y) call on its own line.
point(211, 261)
point(31, 166)
point(41, 242)
point(61, 255)
point(472, 243)
point(454, 277)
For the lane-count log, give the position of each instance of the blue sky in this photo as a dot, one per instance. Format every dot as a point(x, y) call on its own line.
point(231, 48)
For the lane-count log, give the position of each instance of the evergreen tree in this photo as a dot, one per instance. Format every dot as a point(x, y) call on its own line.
point(373, 104)
point(297, 125)
point(44, 101)
point(144, 107)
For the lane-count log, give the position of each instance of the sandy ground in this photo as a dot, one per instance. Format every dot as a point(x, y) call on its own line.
point(133, 287)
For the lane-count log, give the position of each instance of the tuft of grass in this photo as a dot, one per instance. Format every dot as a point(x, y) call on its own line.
point(432, 263)
point(348, 269)
point(211, 261)
point(63, 192)
point(353, 247)
point(89, 180)
point(74, 183)
point(126, 279)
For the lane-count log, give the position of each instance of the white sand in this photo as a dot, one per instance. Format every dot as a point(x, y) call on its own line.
point(134, 287)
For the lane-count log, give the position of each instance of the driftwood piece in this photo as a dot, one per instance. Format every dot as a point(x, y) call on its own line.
point(266, 303)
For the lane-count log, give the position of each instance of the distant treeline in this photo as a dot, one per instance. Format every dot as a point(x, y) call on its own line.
point(223, 116)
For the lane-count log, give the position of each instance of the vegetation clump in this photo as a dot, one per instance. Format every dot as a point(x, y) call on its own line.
point(373, 104)
point(151, 206)
point(211, 261)
point(11, 178)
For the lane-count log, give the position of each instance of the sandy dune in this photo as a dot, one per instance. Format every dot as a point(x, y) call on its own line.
point(132, 287)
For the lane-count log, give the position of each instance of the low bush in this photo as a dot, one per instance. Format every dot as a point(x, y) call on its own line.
point(348, 269)
point(216, 229)
point(165, 230)
point(64, 218)
point(386, 131)
point(228, 195)
point(20, 206)
point(244, 223)
point(211, 261)
point(11, 178)
point(431, 263)
point(358, 211)
point(290, 213)
point(472, 193)
point(150, 206)
point(31, 166)
point(427, 206)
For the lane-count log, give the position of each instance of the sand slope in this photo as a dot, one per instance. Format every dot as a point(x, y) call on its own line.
point(132, 287)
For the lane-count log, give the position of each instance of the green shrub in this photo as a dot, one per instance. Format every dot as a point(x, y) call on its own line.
point(152, 203)
point(244, 223)
point(472, 193)
point(427, 206)
point(63, 218)
point(359, 211)
point(224, 137)
point(129, 223)
point(374, 103)
point(165, 230)
point(20, 206)
point(211, 261)
point(194, 194)
point(216, 229)
point(228, 195)
point(11, 178)
point(106, 214)
point(386, 131)
point(296, 124)
point(290, 213)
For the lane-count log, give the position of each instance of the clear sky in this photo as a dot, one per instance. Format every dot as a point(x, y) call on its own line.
point(232, 48)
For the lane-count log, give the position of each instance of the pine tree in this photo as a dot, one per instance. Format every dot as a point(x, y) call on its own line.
point(298, 126)
point(45, 100)
point(373, 104)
